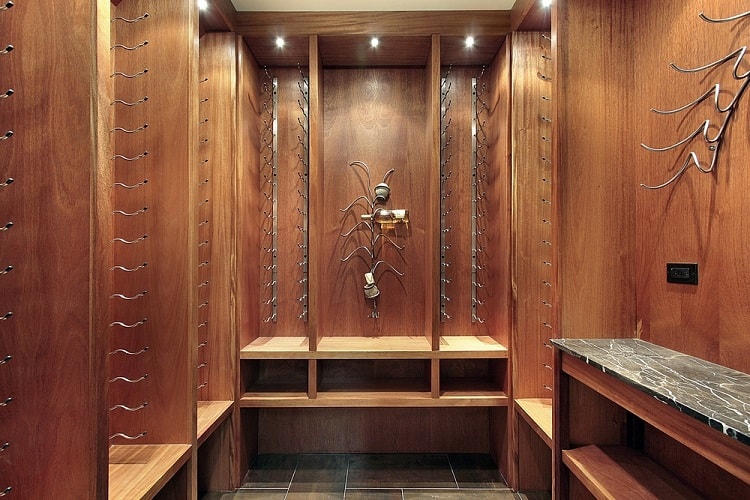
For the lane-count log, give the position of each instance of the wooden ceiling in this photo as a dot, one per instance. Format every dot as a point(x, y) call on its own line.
point(344, 37)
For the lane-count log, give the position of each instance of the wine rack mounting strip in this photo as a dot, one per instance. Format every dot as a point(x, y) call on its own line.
point(304, 157)
point(204, 224)
point(6, 400)
point(138, 212)
point(271, 163)
point(445, 174)
point(478, 196)
point(547, 242)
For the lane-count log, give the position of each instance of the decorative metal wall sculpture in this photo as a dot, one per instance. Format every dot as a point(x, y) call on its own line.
point(712, 143)
point(377, 221)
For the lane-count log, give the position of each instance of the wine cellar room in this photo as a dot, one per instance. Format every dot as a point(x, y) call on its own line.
point(510, 232)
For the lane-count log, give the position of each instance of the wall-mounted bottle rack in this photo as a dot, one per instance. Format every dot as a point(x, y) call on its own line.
point(270, 191)
point(445, 192)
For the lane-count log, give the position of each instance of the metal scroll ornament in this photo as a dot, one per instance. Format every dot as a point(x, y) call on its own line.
point(375, 223)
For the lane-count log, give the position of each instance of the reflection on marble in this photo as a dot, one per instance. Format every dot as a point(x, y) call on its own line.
point(711, 393)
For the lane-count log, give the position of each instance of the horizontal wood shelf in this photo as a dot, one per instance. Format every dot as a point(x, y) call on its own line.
point(387, 347)
point(141, 471)
point(537, 412)
point(377, 399)
point(470, 346)
point(210, 416)
point(620, 472)
point(374, 347)
point(277, 347)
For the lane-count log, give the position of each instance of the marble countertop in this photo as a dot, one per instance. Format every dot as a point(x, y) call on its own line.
point(713, 394)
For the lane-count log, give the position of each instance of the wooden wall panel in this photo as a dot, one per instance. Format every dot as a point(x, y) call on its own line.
point(458, 183)
point(52, 398)
point(248, 167)
point(290, 205)
point(535, 250)
point(376, 116)
point(217, 177)
point(617, 237)
point(373, 430)
point(701, 217)
point(493, 206)
point(499, 243)
point(597, 186)
point(170, 248)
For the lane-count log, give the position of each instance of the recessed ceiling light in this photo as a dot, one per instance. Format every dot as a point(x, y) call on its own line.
point(469, 41)
point(280, 42)
point(202, 4)
point(374, 42)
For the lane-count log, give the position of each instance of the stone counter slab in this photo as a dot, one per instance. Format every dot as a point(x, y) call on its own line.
point(711, 393)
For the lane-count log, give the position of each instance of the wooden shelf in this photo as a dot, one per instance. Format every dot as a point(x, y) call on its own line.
point(276, 400)
point(376, 399)
point(141, 471)
point(471, 347)
point(537, 412)
point(276, 348)
point(474, 398)
point(619, 472)
point(210, 415)
point(395, 347)
point(387, 347)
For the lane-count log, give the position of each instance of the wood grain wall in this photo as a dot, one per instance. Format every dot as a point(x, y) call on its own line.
point(617, 236)
point(596, 188)
point(377, 116)
point(171, 141)
point(534, 245)
point(52, 389)
point(702, 217)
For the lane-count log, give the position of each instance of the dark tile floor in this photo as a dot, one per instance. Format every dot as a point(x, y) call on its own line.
point(402, 476)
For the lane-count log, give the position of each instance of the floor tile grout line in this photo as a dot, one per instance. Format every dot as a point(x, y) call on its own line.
point(346, 478)
point(450, 464)
point(294, 473)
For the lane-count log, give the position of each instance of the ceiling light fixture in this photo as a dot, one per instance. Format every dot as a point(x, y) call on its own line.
point(546, 3)
point(469, 41)
point(280, 42)
point(374, 42)
point(202, 4)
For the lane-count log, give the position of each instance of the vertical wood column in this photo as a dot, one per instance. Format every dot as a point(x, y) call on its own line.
point(218, 224)
point(248, 237)
point(534, 219)
point(315, 207)
point(53, 150)
point(432, 205)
